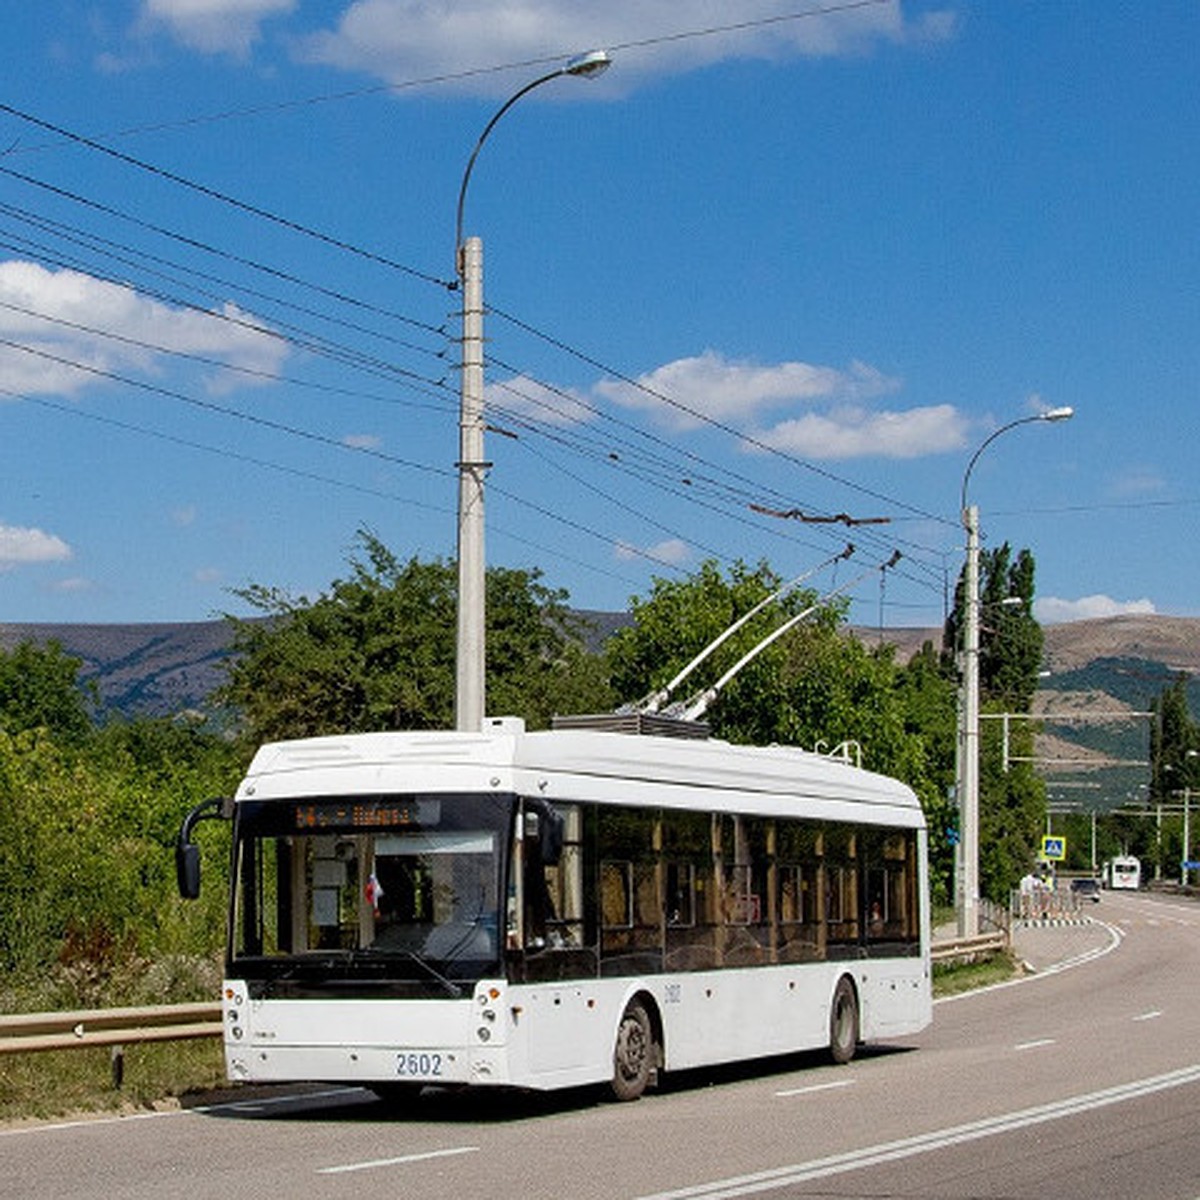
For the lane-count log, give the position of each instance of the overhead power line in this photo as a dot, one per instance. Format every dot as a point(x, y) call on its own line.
point(468, 73)
point(705, 419)
point(298, 473)
point(223, 197)
point(196, 244)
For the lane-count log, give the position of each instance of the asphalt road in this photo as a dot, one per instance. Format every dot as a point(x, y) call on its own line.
point(1081, 1081)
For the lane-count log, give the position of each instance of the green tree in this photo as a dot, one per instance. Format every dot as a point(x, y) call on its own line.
point(88, 819)
point(1012, 813)
point(40, 689)
point(1174, 770)
point(1174, 742)
point(1011, 640)
point(376, 651)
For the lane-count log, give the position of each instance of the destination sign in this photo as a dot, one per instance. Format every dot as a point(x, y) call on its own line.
point(381, 813)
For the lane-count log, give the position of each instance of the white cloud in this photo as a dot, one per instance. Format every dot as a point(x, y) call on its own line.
point(836, 421)
point(1050, 610)
point(853, 431)
point(214, 26)
point(52, 311)
point(672, 552)
point(405, 40)
point(1138, 481)
point(710, 386)
point(20, 547)
point(362, 441)
point(75, 584)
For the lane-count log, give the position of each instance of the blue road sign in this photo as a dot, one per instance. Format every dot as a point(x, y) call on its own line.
point(1054, 849)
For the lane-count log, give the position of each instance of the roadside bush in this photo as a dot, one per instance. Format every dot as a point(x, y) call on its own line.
point(88, 903)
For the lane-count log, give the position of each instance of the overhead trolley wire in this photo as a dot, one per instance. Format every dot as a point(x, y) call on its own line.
point(292, 335)
point(340, 244)
point(655, 472)
point(713, 422)
point(748, 491)
point(223, 410)
point(89, 242)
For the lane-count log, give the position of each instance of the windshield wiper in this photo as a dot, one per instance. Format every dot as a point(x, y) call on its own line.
point(333, 966)
point(451, 987)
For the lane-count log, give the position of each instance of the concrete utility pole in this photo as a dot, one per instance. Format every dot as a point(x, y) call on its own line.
point(967, 899)
point(470, 666)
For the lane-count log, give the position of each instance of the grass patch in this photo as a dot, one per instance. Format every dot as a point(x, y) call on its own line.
point(952, 978)
point(58, 1082)
point(97, 975)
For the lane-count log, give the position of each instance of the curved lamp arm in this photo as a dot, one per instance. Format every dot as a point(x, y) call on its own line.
point(585, 66)
point(1054, 414)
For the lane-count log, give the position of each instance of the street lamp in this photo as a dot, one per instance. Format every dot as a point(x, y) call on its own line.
point(470, 641)
point(1185, 855)
point(967, 899)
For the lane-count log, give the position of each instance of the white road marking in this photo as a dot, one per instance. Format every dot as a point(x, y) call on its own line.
point(870, 1156)
point(404, 1160)
point(1115, 936)
point(818, 1087)
point(1035, 1044)
point(1149, 1016)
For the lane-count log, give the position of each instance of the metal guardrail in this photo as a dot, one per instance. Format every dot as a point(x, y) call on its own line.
point(23, 1033)
point(967, 949)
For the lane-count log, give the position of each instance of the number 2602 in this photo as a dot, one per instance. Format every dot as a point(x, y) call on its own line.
point(419, 1066)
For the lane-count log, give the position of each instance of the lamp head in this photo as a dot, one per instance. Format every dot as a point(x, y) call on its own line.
point(589, 65)
point(1065, 413)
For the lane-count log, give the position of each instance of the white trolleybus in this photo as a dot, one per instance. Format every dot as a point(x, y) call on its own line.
point(1123, 873)
point(558, 908)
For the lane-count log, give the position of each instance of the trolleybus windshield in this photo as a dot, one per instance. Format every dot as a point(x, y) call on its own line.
point(367, 895)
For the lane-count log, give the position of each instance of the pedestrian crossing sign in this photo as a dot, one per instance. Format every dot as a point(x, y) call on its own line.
point(1054, 849)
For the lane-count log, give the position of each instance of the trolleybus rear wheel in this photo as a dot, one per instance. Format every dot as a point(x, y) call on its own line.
point(843, 1021)
point(633, 1054)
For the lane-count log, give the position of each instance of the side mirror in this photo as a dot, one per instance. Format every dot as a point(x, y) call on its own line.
point(187, 870)
point(187, 853)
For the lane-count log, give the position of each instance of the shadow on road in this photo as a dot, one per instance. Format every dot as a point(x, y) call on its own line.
point(470, 1106)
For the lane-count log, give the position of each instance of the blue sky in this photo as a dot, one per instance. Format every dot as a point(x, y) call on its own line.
point(783, 256)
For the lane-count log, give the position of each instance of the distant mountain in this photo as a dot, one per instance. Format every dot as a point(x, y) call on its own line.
point(164, 669)
point(1095, 669)
point(1090, 755)
point(151, 670)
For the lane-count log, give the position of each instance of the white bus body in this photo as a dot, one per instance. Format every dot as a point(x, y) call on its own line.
point(1124, 872)
point(529, 909)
